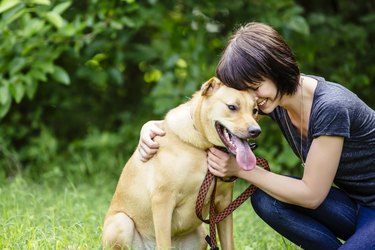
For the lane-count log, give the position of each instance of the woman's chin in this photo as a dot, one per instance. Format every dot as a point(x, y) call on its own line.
point(266, 110)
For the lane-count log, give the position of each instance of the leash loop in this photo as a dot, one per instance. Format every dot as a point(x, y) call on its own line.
point(202, 195)
point(214, 217)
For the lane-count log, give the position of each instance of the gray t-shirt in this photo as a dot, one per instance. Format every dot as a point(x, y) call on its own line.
point(336, 111)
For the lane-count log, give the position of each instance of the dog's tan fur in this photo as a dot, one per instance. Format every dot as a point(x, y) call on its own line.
point(154, 202)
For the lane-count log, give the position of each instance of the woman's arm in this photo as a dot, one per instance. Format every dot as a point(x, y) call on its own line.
point(320, 169)
point(147, 147)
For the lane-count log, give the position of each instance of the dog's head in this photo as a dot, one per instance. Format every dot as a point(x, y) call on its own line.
point(229, 119)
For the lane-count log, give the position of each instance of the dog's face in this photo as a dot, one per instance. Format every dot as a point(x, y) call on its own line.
point(230, 118)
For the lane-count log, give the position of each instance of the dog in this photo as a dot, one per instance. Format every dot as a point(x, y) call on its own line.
point(154, 202)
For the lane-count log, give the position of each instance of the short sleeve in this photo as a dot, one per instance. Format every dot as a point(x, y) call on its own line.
point(331, 118)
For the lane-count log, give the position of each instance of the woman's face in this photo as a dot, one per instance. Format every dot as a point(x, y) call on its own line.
point(266, 96)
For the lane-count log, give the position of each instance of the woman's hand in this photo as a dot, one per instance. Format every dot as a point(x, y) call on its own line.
point(222, 164)
point(147, 147)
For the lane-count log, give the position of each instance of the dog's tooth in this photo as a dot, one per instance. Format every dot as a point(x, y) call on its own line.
point(226, 135)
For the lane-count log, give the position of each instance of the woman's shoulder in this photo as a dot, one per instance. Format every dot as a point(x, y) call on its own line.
point(336, 109)
point(333, 95)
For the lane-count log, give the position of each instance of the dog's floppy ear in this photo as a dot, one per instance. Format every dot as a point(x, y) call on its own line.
point(210, 86)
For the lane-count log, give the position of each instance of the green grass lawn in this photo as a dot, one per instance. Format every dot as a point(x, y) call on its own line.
point(65, 216)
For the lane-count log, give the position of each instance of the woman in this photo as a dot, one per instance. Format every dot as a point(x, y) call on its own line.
point(328, 127)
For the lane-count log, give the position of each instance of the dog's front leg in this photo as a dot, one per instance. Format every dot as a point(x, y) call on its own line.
point(225, 227)
point(162, 209)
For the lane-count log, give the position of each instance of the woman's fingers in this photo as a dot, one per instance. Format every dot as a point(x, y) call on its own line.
point(221, 163)
point(147, 147)
point(146, 153)
point(217, 161)
point(156, 131)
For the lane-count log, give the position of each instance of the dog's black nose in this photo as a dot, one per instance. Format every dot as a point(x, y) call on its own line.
point(254, 131)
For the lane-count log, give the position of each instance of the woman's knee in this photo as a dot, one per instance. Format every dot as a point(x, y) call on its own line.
point(263, 204)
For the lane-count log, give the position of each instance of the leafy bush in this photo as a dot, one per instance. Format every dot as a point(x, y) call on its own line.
point(80, 77)
point(33, 36)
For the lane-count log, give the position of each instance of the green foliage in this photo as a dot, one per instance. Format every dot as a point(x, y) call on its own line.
point(341, 47)
point(33, 35)
point(78, 78)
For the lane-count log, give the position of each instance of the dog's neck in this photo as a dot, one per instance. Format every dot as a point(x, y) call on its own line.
point(184, 122)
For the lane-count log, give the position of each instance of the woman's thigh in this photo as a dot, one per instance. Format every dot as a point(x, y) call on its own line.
point(310, 228)
point(364, 236)
point(337, 212)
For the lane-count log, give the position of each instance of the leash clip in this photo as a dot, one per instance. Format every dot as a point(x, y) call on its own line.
point(208, 239)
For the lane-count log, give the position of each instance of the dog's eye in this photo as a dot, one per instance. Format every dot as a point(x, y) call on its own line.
point(255, 111)
point(232, 107)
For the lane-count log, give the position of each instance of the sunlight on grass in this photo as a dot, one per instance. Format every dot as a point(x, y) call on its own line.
point(64, 216)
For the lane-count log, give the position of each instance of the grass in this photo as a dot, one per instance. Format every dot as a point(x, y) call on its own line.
point(40, 216)
point(65, 216)
point(250, 232)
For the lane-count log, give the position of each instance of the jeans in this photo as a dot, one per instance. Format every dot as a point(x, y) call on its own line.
point(338, 217)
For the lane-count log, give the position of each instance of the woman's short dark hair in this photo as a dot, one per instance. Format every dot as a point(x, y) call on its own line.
point(255, 52)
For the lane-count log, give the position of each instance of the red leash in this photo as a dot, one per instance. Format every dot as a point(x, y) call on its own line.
point(214, 217)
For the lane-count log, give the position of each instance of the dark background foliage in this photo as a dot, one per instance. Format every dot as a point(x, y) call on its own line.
point(79, 78)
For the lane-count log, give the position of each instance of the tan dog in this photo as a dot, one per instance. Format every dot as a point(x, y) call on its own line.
point(154, 202)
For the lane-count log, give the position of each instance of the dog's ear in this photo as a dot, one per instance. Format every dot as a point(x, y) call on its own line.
point(210, 86)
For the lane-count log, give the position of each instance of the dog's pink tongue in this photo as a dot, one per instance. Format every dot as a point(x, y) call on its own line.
point(244, 155)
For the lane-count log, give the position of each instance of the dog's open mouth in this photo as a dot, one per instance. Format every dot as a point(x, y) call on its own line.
point(237, 146)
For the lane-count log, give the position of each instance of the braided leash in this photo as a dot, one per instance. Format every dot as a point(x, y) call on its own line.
point(214, 217)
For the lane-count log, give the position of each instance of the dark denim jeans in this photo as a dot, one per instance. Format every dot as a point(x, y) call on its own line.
point(338, 217)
